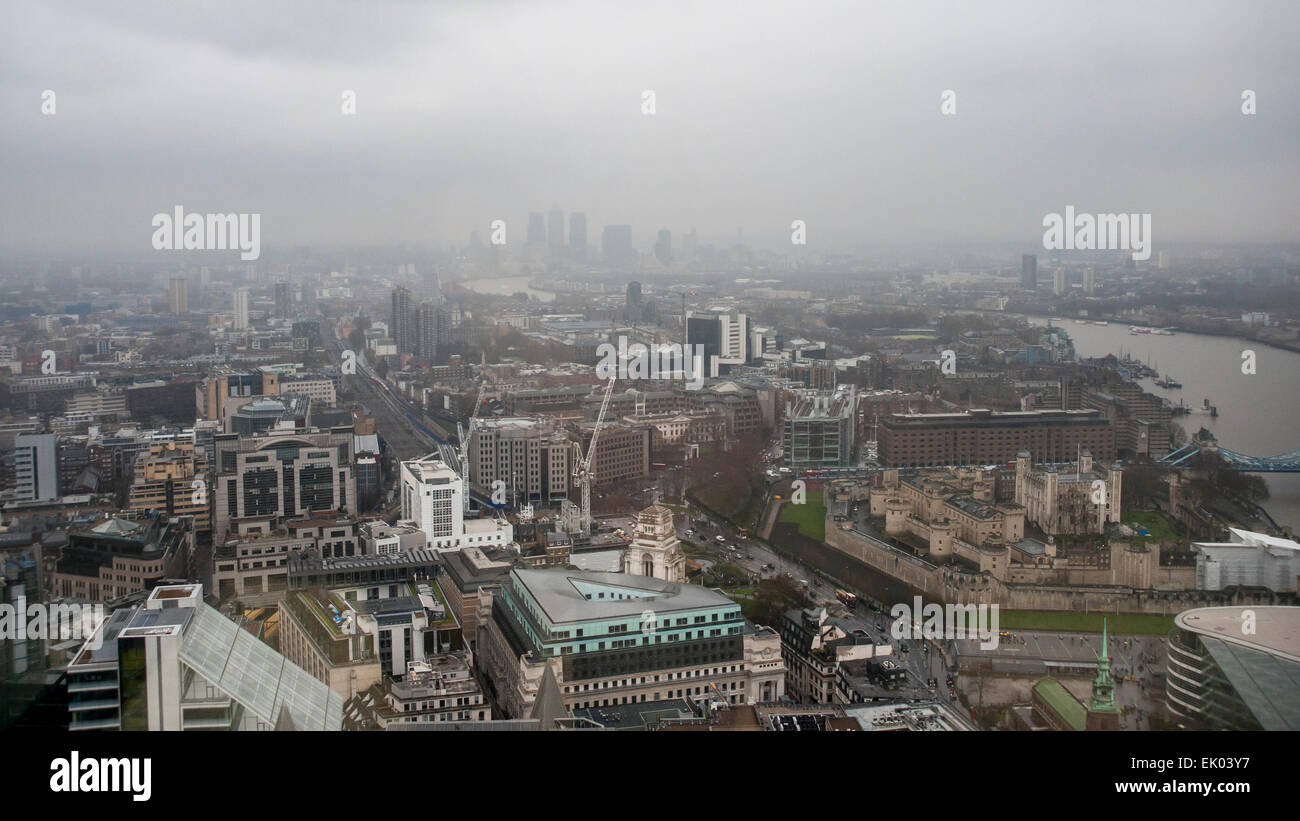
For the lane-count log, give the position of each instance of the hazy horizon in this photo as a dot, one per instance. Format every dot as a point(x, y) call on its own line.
point(765, 113)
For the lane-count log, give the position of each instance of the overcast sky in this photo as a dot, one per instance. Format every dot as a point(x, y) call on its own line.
point(766, 113)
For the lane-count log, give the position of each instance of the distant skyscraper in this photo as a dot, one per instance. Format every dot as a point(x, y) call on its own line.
point(241, 309)
point(1089, 280)
point(402, 328)
point(536, 229)
point(555, 231)
point(1029, 272)
point(178, 295)
point(1060, 283)
point(578, 236)
point(634, 308)
point(1163, 260)
point(616, 245)
point(664, 247)
point(427, 333)
point(283, 301)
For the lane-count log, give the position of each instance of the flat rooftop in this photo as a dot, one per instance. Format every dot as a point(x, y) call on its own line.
point(1276, 630)
point(574, 596)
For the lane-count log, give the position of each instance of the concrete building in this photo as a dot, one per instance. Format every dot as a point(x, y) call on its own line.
point(172, 477)
point(431, 501)
point(724, 334)
point(530, 454)
point(980, 437)
point(36, 471)
point(438, 690)
point(282, 472)
point(1029, 272)
point(119, 555)
point(174, 663)
point(613, 638)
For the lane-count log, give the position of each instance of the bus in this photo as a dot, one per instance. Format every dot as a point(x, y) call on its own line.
point(742, 532)
point(850, 601)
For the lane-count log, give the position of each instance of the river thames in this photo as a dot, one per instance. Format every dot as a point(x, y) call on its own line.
point(1257, 413)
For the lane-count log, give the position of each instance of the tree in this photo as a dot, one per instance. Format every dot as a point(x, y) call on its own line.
point(773, 597)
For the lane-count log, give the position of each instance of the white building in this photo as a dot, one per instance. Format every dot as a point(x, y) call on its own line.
point(1248, 560)
point(431, 501)
point(36, 467)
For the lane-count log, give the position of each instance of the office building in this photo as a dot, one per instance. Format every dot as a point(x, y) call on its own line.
point(724, 334)
point(612, 638)
point(1235, 668)
point(174, 663)
point(119, 555)
point(281, 472)
point(1060, 283)
point(530, 454)
point(36, 470)
point(432, 501)
point(178, 295)
point(1089, 281)
point(172, 477)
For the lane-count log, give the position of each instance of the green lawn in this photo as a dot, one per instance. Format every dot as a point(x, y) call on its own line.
point(810, 516)
point(1156, 523)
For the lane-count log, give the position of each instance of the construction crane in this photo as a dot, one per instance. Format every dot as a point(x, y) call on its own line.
point(464, 449)
point(582, 464)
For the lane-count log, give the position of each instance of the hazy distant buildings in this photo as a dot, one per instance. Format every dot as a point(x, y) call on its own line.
point(1089, 281)
point(616, 245)
point(555, 231)
point(1029, 272)
point(664, 247)
point(241, 309)
point(634, 306)
point(283, 301)
point(536, 229)
point(178, 295)
point(1059, 282)
point(578, 236)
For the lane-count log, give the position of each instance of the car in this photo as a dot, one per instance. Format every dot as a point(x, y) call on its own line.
point(880, 626)
point(721, 539)
point(904, 648)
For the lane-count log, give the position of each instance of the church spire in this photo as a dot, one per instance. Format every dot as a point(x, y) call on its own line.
point(1103, 686)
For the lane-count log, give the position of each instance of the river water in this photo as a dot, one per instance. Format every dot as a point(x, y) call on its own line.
point(505, 286)
point(1257, 413)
